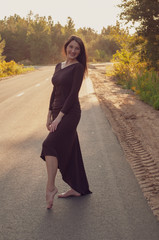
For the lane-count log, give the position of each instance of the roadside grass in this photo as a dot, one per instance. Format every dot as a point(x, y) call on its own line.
point(146, 85)
point(135, 76)
point(12, 68)
point(109, 69)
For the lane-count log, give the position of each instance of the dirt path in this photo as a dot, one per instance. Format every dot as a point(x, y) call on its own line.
point(136, 126)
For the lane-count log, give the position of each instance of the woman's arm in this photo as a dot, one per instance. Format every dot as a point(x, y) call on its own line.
point(49, 115)
point(76, 85)
point(49, 119)
point(53, 92)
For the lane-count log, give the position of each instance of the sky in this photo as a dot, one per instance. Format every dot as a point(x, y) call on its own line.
point(95, 14)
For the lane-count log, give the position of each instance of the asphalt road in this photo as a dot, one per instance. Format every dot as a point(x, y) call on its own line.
point(116, 210)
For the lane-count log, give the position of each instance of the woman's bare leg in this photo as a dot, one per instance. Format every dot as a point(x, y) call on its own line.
point(51, 190)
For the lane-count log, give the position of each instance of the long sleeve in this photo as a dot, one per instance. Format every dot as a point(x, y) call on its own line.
point(76, 85)
point(52, 99)
point(53, 92)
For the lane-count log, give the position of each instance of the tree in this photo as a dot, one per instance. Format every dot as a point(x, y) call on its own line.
point(57, 40)
point(146, 13)
point(8, 32)
point(69, 28)
point(14, 31)
point(2, 45)
point(38, 38)
point(89, 37)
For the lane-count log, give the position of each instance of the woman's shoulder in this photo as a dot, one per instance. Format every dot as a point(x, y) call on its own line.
point(57, 66)
point(79, 66)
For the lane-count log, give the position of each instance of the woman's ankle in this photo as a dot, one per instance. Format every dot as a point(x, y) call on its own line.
point(50, 188)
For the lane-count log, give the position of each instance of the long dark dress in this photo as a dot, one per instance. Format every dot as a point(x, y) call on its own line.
point(63, 143)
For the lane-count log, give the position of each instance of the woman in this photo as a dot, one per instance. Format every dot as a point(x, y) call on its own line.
point(61, 148)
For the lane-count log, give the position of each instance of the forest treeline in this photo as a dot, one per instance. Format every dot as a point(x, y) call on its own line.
point(37, 40)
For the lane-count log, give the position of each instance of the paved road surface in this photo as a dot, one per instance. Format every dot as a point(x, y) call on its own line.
point(116, 210)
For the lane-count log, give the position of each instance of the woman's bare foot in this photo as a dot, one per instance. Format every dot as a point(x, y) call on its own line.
point(50, 197)
point(69, 193)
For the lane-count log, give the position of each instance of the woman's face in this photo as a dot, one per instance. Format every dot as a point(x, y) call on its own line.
point(72, 50)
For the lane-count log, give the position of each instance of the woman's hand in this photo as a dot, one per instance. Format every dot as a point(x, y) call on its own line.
point(48, 124)
point(49, 120)
point(55, 123)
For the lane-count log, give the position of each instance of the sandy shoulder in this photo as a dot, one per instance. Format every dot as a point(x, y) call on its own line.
point(136, 126)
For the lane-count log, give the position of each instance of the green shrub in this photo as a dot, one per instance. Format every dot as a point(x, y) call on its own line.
point(143, 82)
point(147, 86)
point(12, 68)
point(133, 74)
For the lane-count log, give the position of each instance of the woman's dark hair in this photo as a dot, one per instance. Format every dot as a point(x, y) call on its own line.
point(82, 57)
